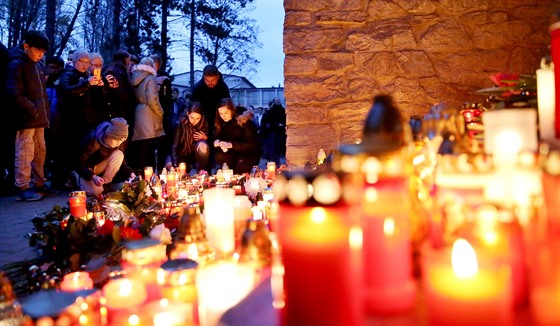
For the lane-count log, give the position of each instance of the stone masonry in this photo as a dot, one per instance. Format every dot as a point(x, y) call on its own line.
point(341, 53)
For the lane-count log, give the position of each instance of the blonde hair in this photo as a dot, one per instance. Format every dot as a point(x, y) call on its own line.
point(147, 61)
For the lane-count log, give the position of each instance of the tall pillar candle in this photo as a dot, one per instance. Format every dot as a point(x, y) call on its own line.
point(555, 51)
point(320, 241)
point(219, 217)
point(546, 100)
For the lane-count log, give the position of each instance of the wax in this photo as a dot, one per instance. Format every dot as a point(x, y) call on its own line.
point(321, 252)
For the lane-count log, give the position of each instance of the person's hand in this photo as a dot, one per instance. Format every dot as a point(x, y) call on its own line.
point(216, 143)
point(94, 81)
point(97, 180)
point(113, 82)
point(199, 135)
point(224, 146)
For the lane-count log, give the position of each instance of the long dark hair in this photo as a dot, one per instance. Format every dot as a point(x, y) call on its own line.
point(228, 103)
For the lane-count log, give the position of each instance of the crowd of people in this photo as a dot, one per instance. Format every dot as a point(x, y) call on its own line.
point(89, 125)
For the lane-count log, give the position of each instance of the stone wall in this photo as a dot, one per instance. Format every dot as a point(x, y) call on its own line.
point(341, 53)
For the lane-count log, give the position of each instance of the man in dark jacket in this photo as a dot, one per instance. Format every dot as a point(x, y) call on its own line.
point(210, 90)
point(26, 91)
point(101, 157)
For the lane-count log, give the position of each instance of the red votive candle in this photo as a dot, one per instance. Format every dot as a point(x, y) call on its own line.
point(77, 206)
point(321, 253)
point(555, 52)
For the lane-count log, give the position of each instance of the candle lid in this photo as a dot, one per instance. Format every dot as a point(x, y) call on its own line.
point(141, 244)
point(314, 187)
point(179, 264)
point(51, 303)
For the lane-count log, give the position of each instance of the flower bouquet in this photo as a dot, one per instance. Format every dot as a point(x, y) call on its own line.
point(512, 90)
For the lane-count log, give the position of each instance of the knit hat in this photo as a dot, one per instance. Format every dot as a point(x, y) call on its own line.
point(118, 129)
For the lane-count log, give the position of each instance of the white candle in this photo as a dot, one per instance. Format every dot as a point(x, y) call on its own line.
point(221, 286)
point(508, 132)
point(219, 216)
point(546, 100)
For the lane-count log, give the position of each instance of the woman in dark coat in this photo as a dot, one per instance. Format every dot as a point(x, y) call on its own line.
point(190, 143)
point(236, 138)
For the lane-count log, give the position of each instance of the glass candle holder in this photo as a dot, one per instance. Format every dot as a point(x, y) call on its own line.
point(176, 279)
point(77, 203)
point(141, 260)
point(148, 173)
point(318, 225)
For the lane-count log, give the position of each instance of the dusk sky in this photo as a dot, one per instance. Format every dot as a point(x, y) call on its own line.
point(269, 15)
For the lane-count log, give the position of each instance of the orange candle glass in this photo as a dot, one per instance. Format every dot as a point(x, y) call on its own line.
point(77, 203)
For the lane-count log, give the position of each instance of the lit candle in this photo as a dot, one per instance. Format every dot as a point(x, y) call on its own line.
point(500, 236)
point(460, 292)
point(508, 132)
point(321, 243)
point(182, 169)
point(171, 184)
point(270, 171)
point(177, 281)
point(387, 243)
point(122, 298)
point(148, 173)
point(555, 52)
point(545, 282)
point(77, 206)
point(221, 286)
point(219, 216)
point(141, 260)
point(546, 100)
point(76, 281)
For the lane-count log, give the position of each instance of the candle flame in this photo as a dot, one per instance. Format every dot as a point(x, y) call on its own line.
point(463, 259)
point(318, 215)
point(371, 195)
point(490, 237)
point(389, 226)
point(355, 237)
point(133, 320)
point(126, 288)
point(508, 142)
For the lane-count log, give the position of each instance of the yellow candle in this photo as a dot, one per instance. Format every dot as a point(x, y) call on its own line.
point(124, 293)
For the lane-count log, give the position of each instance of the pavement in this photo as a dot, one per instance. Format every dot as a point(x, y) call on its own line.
point(15, 225)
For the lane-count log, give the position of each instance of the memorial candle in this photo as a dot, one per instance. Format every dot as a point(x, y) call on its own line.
point(320, 241)
point(148, 173)
point(76, 281)
point(555, 52)
point(219, 216)
point(460, 292)
point(546, 100)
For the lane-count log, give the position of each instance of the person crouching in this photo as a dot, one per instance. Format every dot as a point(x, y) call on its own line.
point(101, 157)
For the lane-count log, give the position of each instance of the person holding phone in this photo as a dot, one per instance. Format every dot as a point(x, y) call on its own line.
point(190, 142)
point(102, 95)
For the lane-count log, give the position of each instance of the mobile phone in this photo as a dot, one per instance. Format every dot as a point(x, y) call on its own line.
point(97, 72)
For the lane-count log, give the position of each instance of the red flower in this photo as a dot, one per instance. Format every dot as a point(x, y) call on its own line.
point(107, 228)
point(171, 223)
point(502, 79)
point(128, 233)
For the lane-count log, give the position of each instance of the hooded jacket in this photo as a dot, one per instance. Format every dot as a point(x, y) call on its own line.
point(26, 90)
point(148, 117)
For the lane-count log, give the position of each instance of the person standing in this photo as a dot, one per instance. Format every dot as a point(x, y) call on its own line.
point(148, 130)
point(210, 90)
point(7, 133)
point(273, 126)
point(26, 90)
